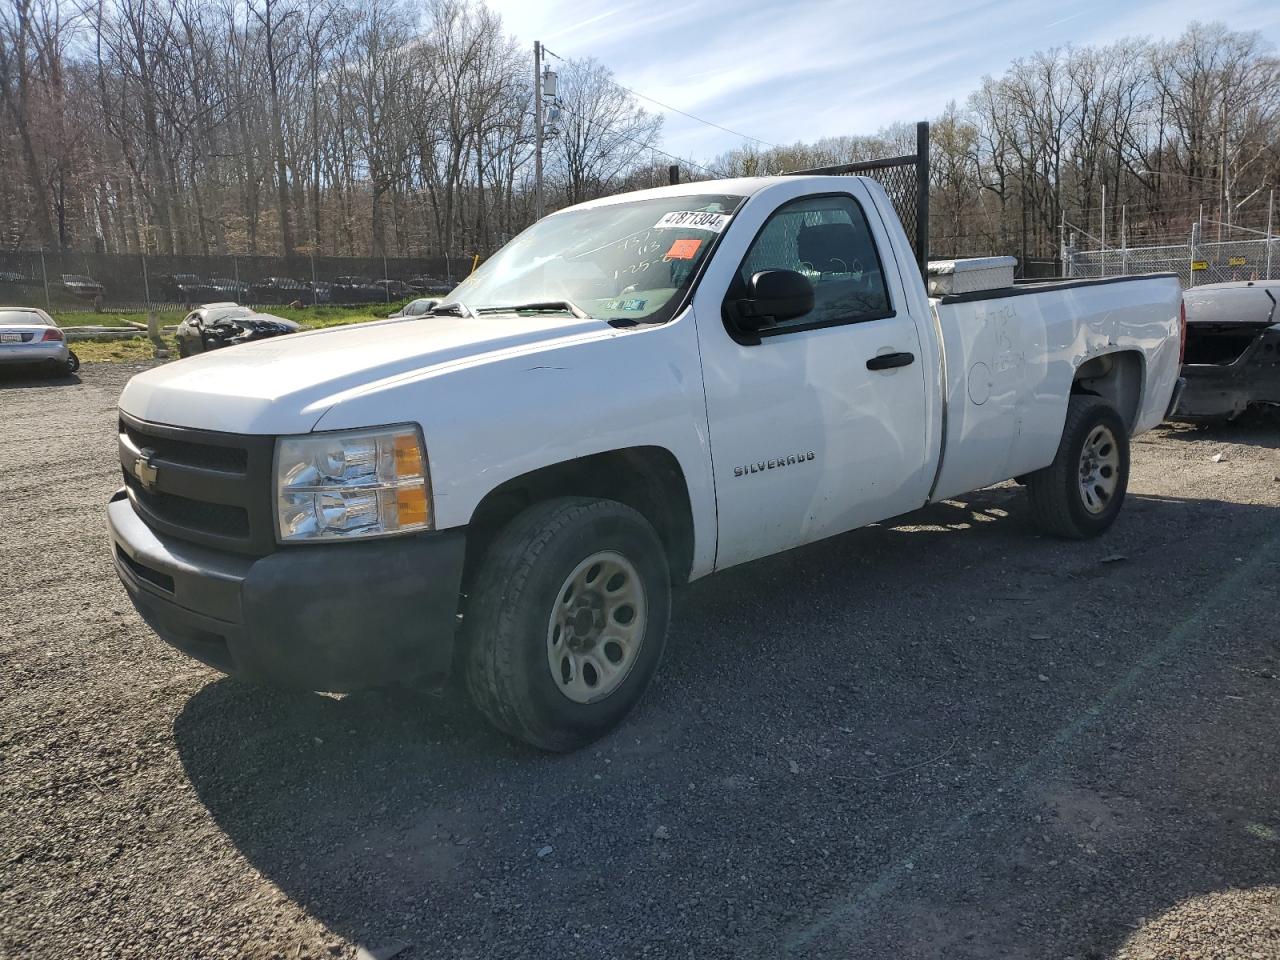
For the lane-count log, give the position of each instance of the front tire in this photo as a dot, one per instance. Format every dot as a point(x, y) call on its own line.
point(1079, 495)
point(567, 620)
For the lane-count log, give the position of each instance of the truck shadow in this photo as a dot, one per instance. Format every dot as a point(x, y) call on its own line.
point(947, 689)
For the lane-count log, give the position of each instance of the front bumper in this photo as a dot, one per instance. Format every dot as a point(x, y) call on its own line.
point(335, 617)
point(54, 351)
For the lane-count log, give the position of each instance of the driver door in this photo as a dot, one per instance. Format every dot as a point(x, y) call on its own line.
point(813, 431)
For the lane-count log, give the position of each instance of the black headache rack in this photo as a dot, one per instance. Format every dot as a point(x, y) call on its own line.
point(906, 180)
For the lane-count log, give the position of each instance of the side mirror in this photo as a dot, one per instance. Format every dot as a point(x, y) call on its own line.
point(773, 296)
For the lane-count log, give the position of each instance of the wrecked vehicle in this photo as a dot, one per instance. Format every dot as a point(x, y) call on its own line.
point(217, 325)
point(1232, 359)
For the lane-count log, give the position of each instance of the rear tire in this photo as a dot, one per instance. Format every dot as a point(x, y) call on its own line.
point(73, 362)
point(1079, 495)
point(566, 621)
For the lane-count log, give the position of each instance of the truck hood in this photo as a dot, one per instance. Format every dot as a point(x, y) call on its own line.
point(286, 384)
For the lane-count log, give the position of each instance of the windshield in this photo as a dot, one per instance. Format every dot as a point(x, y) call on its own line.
point(624, 261)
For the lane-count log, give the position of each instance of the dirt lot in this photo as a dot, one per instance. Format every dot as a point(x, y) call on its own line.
point(940, 737)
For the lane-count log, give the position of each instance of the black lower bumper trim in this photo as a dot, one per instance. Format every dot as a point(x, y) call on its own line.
point(1178, 388)
point(335, 617)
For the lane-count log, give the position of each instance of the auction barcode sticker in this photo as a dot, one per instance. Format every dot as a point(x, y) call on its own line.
point(693, 220)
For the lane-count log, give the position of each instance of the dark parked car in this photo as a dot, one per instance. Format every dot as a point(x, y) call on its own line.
point(281, 290)
point(394, 289)
point(1232, 353)
point(82, 286)
point(216, 325)
point(356, 290)
point(426, 284)
point(10, 279)
point(229, 289)
point(185, 288)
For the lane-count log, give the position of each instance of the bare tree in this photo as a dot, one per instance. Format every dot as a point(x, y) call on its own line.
point(603, 131)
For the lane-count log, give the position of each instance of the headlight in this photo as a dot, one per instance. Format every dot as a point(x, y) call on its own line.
point(350, 484)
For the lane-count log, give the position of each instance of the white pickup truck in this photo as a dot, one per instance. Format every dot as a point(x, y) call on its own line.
point(633, 393)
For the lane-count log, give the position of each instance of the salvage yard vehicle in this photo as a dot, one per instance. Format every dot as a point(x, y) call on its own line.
point(84, 287)
point(1232, 359)
point(633, 393)
point(281, 290)
point(357, 290)
point(228, 288)
point(216, 325)
point(30, 337)
point(415, 308)
point(185, 288)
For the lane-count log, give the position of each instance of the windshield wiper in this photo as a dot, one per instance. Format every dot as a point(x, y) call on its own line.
point(541, 306)
point(455, 307)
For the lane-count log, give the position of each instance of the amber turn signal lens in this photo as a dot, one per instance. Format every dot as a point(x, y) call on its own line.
point(408, 457)
point(411, 506)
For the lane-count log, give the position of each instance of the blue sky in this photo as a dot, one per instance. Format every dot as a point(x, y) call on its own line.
point(797, 71)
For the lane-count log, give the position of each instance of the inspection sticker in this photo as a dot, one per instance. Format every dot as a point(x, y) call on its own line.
point(624, 304)
point(683, 249)
point(693, 220)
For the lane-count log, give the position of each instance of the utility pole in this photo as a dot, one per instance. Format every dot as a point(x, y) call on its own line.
point(1062, 243)
point(1271, 208)
point(537, 123)
point(1104, 229)
point(1124, 238)
point(1226, 195)
point(1195, 245)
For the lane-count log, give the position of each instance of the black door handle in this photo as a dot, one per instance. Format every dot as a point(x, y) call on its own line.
point(887, 361)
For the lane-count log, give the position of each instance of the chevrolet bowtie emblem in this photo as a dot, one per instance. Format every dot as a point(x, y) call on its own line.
point(145, 471)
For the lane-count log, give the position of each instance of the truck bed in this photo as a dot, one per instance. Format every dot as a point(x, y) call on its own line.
point(1010, 355)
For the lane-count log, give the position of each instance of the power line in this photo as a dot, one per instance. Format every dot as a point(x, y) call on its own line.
point(667, 106)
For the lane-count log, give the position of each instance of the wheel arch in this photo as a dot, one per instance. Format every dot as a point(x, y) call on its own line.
point(1119, 377)
point(649, 479)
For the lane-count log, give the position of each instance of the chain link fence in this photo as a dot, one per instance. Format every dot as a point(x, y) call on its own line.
point(1194, 262)
point(88, 281)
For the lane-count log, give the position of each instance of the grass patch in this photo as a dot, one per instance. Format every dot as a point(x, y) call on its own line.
point(120, 351)
point(315, 318)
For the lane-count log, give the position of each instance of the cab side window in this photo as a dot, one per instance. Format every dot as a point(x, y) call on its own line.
point(827, 240)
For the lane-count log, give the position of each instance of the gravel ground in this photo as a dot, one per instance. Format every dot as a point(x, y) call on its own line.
point(942, 737)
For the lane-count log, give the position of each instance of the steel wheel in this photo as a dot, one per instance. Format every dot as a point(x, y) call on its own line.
point(597, 627)
point(1099, 469)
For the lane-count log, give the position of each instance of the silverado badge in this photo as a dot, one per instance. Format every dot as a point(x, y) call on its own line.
point(761, 465)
